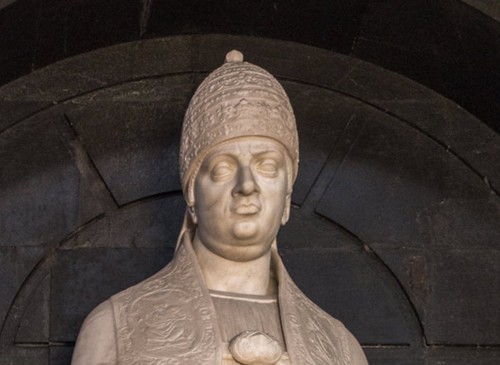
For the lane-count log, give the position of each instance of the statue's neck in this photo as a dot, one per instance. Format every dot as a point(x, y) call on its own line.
point(250, 277)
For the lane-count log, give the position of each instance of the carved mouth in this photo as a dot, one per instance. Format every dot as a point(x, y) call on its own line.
point(247, 209)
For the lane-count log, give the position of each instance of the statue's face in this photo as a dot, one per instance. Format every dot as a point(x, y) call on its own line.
point(241, 197)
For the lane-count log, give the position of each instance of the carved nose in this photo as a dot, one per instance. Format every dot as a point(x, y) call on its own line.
point(246, 184)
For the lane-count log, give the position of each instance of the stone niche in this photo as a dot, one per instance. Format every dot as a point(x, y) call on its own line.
point(395, 223)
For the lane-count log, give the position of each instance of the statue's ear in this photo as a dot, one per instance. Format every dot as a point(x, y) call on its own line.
point(192, 215)
point(286, 209)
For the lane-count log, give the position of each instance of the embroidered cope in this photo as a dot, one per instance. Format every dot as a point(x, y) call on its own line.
point(170, 319)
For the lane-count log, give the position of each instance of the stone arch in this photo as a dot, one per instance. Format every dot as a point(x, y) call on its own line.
point(397, 188)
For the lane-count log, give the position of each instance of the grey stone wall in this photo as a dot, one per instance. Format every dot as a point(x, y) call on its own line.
point(395, 226)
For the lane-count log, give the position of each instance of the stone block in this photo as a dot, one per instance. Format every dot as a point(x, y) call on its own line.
point(315, 66)
point(25, 356)
point(34, 325)
point(394, 355)
point(148, 223)
point(397, 187)
point(322, 115)
point(463, 305)
point(136, 149)
point(13, 110)
point(354, 288)
point(440, 118)
point(61, 355)
point(46, 189)
point(462, 355)
point(15, 265)
point(306, 231)
point(79, 75)
point(454, 292)
point(392, 37)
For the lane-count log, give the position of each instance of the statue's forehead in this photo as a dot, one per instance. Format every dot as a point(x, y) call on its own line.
point(253, 145)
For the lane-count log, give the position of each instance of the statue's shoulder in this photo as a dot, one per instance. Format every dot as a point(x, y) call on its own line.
point(173, 290)
point(166, 318)
point(144, 287)
point(177, 279)
point(96, 343)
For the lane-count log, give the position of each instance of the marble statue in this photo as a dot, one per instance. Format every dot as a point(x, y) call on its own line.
point(226, 297)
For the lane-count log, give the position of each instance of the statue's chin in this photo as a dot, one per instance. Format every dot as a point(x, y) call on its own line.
point(245, 229)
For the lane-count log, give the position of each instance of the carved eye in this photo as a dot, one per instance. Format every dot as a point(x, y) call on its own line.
point(221, 170)
point(268, 167)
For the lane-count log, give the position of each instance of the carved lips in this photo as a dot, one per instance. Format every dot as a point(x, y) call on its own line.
point(247, 209)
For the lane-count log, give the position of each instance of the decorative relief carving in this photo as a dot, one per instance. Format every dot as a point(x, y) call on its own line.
point(161, 318)
point(169, 319)
point(228, 103)
point(314, 336)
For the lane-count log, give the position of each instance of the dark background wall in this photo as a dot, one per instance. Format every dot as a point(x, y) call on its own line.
point(395, 226)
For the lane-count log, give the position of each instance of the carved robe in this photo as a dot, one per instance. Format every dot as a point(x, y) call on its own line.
point(169, 319)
